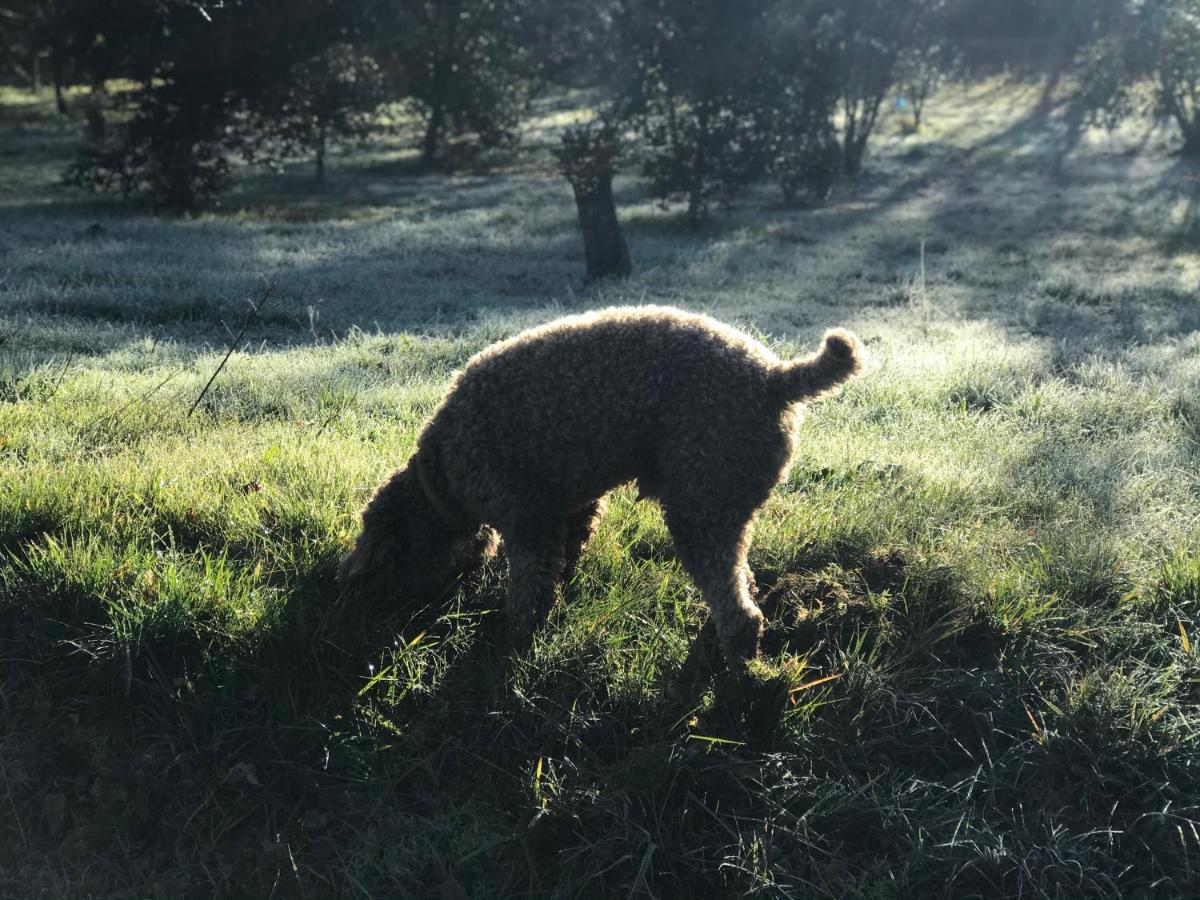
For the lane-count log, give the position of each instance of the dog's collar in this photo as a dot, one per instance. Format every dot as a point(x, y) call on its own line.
point(454, 522)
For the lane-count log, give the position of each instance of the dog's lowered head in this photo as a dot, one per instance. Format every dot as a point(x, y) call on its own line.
point(405, 548)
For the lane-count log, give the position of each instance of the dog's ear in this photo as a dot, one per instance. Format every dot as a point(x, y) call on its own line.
point(353, 565)
point(365, 558)
point(382, 524)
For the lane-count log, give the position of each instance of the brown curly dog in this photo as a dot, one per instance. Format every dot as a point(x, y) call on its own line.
point(536, 429)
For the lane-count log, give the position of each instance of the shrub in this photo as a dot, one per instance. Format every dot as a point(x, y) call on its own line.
point(211, 89)
point(808, 164)
point(174, 150)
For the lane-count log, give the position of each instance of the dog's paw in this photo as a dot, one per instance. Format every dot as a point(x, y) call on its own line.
point(741, 638)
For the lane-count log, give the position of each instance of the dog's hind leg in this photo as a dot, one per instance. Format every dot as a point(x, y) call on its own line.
point(713, 551)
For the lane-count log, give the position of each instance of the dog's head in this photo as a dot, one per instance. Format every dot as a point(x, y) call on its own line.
point(406, 550)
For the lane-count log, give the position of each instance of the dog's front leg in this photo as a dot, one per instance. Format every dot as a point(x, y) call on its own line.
point(535, 567)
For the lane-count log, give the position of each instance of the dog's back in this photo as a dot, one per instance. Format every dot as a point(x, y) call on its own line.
point(587, 402)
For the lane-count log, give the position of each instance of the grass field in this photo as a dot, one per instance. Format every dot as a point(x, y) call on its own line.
point(982, 575)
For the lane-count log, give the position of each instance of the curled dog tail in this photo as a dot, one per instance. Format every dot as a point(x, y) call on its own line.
point(839, 359)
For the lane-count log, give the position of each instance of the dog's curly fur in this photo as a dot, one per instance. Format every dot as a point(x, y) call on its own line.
point(536, 429)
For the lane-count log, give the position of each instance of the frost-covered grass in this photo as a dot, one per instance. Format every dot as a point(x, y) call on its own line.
point(982, 575)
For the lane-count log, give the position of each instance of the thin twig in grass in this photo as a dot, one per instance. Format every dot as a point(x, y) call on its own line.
point(255, 311)
point(116, 417)
point(228, 330)
point(61, 375)
point(327, 423)
point(919, 297)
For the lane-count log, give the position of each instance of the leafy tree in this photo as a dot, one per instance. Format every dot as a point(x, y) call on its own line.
point(175, 148)
point(175, 144)
point(697, 90)
point(587, 158)
point(573, 42)
point(927, 57)
point(722, 93)
point(871, 35)
point(211, 89)
point(19, 56)
point(329, 97)
point(1151, 43)
point(805, 157)
point(83, 41)
point(465, 66)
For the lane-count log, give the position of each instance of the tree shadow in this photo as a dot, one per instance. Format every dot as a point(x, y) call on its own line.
point(1180, 185)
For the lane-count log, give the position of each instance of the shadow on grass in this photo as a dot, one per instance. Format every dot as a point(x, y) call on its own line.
point(363, 749)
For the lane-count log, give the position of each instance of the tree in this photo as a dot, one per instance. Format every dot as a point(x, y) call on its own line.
point(1155, 43)
point(329, 97)
point(210, 88)
point(696, 87)
point(19, 56)
point(926, 58)
point(573, 42)
point(465, 67)
point(722, 93)
point(802, 98)
point(91, 41)
point(175, 149)
point(870, 35)
point(587, 159)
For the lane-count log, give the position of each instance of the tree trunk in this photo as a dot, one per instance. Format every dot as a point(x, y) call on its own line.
point(588, 159)
point(433, 133)
point(321, 152)
point(852, 156)
point(859, 124)
point(1191, 138)
point(851, 160)
point(59, 100)
point(697, 203)
point(96, 126)
point(604, 246)
point(697, 209)
point(176, 186)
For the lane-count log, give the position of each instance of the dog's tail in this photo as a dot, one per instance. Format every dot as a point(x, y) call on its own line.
point(839, 359)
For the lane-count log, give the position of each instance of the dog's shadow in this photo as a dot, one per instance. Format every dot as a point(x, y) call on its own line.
point(345, 640)
point(452, 654)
